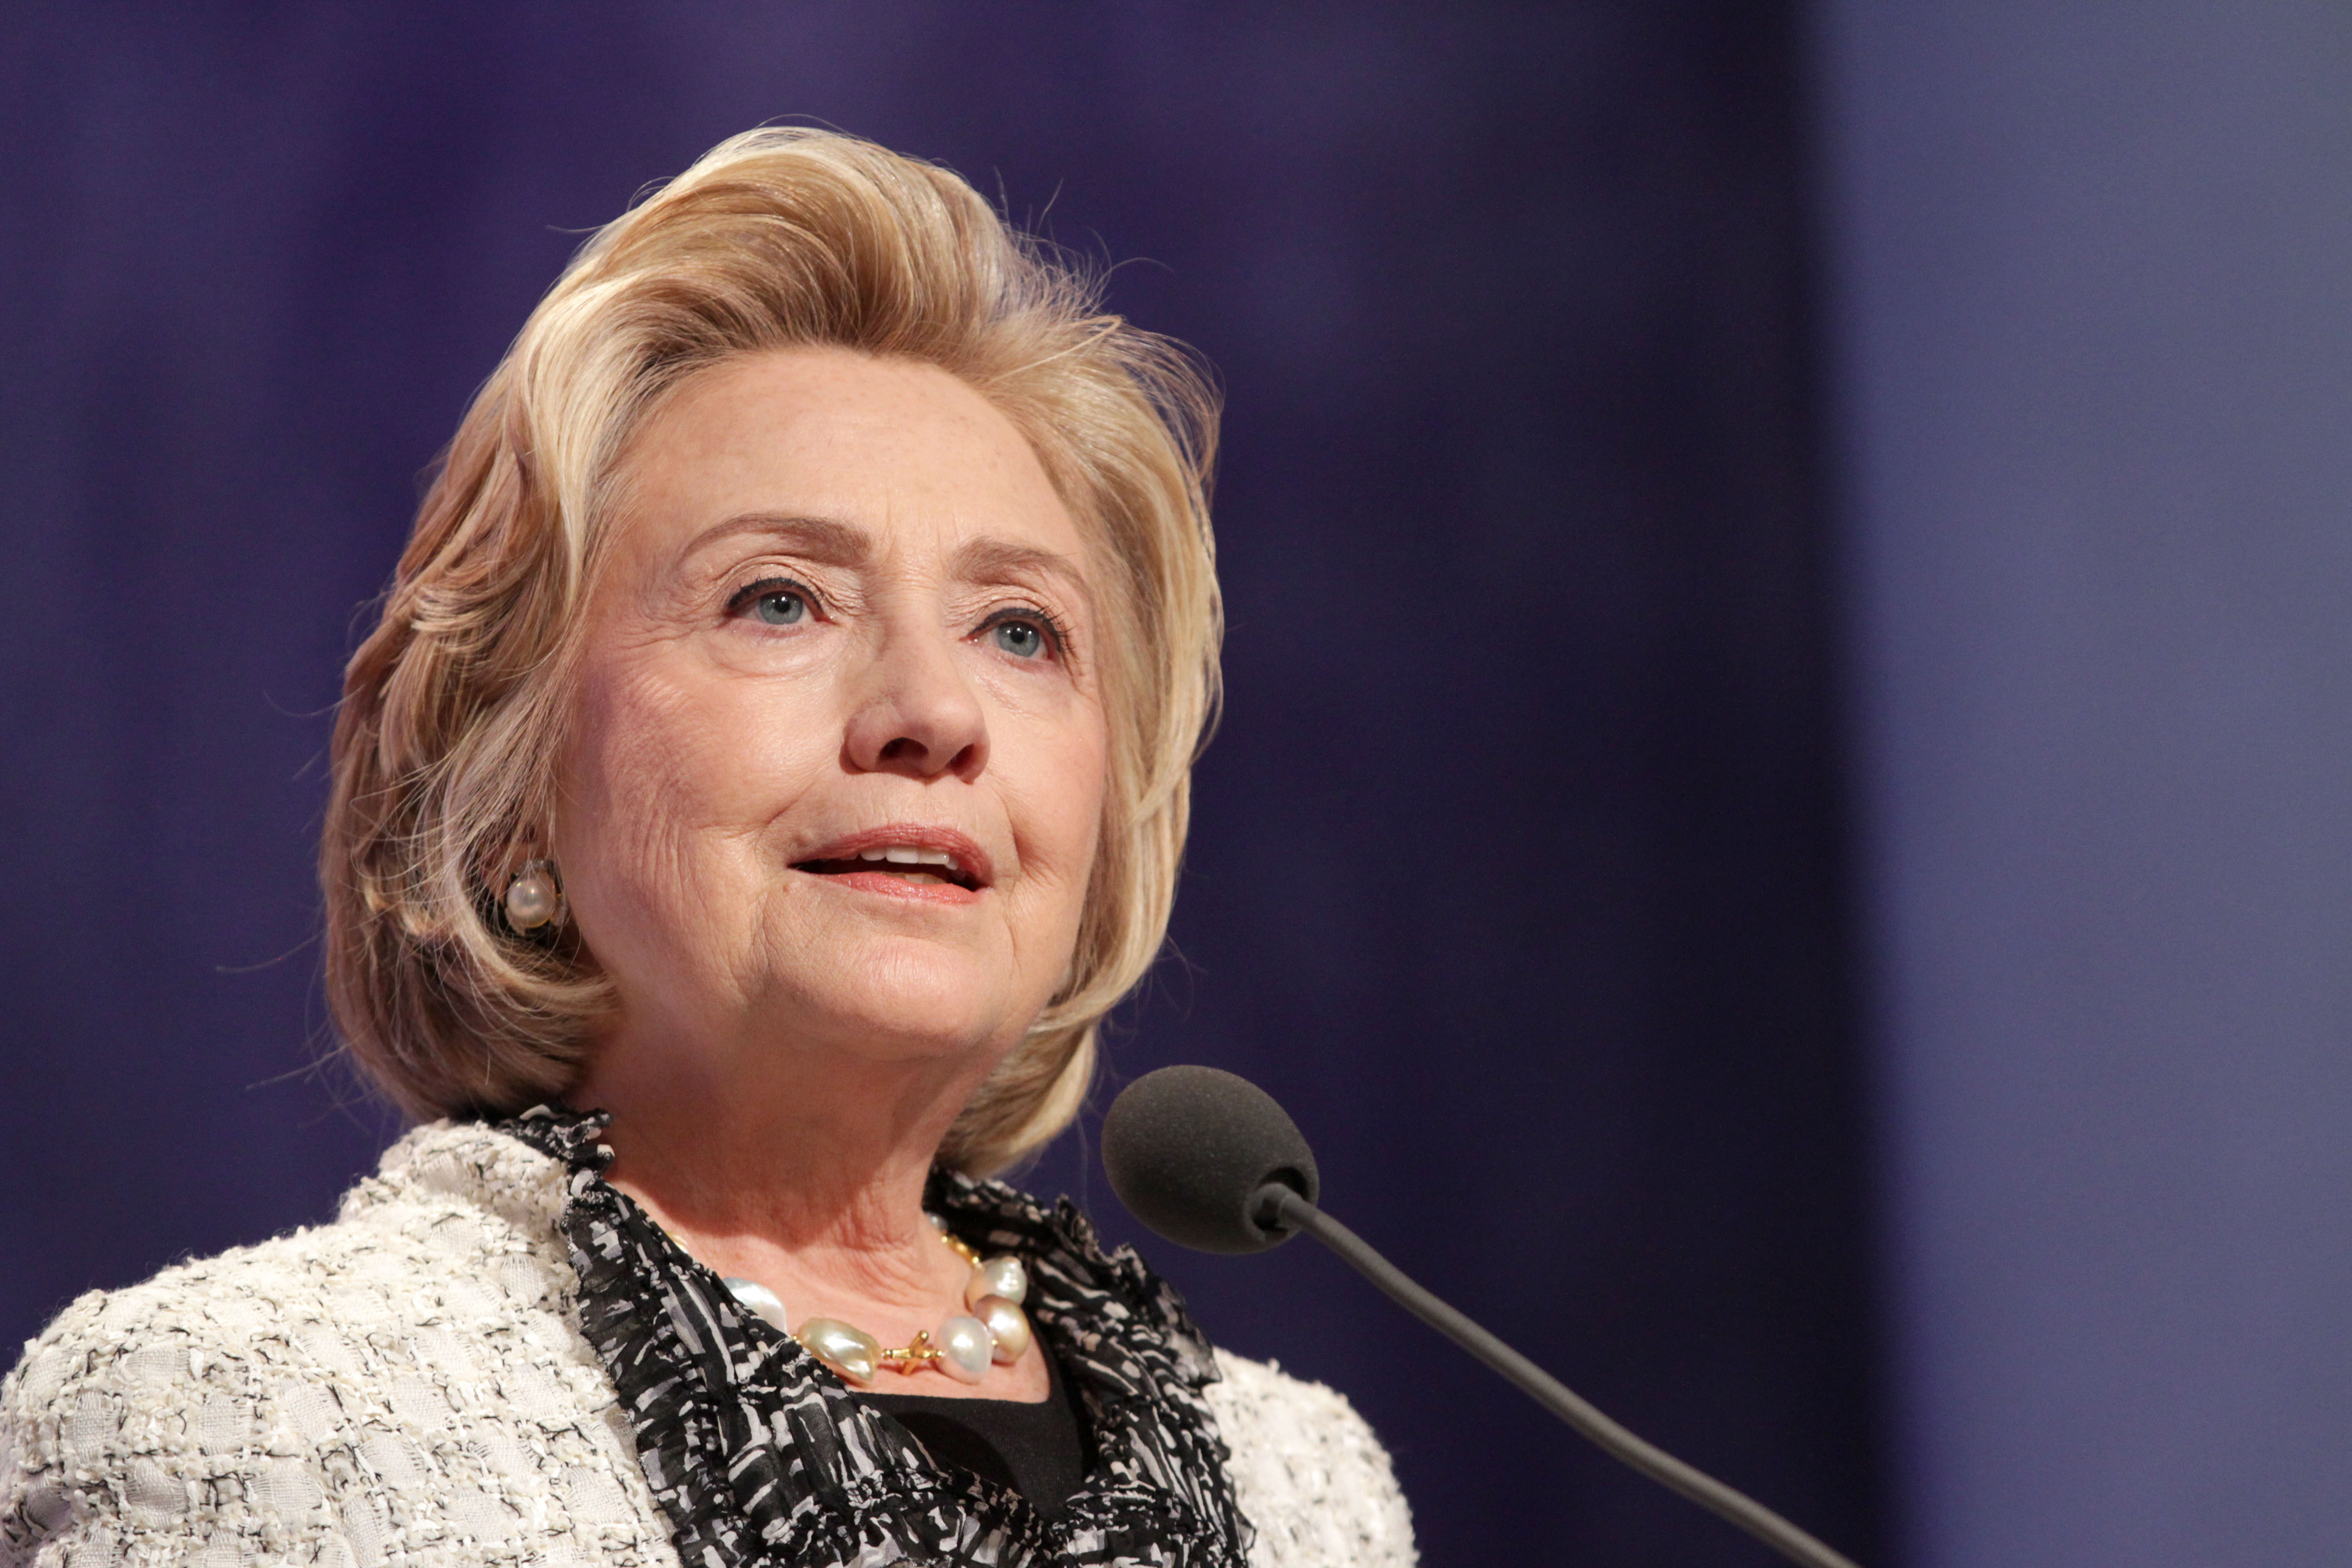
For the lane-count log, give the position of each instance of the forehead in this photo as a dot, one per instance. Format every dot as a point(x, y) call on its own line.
point(902, 451)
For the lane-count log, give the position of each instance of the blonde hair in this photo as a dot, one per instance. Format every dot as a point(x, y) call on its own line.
point(443, 749)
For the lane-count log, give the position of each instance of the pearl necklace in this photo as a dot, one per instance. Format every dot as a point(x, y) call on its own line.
point(993, 1328)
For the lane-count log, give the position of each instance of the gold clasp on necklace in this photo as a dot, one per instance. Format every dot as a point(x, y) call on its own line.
point(922, 1352)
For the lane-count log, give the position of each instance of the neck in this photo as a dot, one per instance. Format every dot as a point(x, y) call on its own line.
point(822, 1164)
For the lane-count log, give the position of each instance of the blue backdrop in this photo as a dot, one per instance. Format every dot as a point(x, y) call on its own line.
point(2094, 297)
point(1519, 868)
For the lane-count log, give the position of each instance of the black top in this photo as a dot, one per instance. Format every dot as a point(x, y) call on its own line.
point(1038, 1450)
point(763, 1458)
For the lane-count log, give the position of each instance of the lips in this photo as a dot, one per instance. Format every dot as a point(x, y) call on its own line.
point(907, 858)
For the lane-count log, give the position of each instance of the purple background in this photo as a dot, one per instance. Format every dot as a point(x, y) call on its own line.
point(2093, 293)
point(1518, 864)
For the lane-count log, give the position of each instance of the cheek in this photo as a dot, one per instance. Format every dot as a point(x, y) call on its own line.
point(670, 780)
point(1063, 777)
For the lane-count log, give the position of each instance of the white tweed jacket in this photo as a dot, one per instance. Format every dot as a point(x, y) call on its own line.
point(409, 1386)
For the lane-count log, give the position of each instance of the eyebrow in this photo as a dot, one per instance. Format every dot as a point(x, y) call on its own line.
point(834, 543)
point(822, 539)
point(999, 559)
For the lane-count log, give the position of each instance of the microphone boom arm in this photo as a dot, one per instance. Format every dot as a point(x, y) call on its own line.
point(1279, 1206)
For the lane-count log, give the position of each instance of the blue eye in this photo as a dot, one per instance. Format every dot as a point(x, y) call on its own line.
point(780, 608)
point(1020, 639)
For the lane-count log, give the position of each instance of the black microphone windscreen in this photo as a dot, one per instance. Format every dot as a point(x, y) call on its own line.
point(1187, 1149)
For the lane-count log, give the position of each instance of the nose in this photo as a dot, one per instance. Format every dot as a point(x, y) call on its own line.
point(916, 715)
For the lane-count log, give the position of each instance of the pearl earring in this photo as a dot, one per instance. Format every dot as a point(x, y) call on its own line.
point(532, 899)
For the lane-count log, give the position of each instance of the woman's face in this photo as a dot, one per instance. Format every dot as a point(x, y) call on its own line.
point(836, 773)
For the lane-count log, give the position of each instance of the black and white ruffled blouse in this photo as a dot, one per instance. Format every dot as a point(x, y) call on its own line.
point(760, 1454)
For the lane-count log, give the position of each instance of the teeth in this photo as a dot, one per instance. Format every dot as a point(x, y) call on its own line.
point(909, 855)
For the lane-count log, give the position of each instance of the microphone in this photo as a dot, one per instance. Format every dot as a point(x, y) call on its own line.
point(1209, 1160)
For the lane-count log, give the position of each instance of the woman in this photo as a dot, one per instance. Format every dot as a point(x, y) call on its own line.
point(769, 766)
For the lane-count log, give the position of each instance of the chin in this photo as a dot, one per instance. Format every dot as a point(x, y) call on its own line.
point(913, 1001)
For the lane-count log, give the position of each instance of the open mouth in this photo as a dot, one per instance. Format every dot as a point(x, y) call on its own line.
point(913, 864)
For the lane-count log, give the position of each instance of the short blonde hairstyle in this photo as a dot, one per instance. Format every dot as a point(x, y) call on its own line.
point(444, 748)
